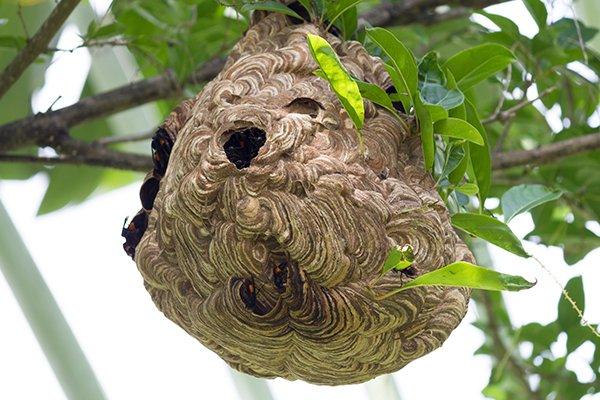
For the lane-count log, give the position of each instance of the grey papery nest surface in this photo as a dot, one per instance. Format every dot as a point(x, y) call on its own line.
point(274, 263)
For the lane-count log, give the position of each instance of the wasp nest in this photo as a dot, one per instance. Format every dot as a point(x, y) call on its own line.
point(266, 234)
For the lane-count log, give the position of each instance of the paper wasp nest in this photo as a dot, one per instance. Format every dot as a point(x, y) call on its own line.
point(268, 230)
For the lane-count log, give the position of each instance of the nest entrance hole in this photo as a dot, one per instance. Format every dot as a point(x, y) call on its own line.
point(243, 145)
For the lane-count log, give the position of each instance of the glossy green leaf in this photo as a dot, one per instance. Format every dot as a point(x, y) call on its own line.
point(271, 6)
point(538, 11)
point(468, 189)
point(480, 157)
point(426, 128)
point(505, 24)
point(456, 176)
point(522, 198)
point(340, 80)
point(458, 128)
point(436, 112)
point(455, 155)
point(399, 258)
point(491, 230)
point(401, 58)
point(377, 95)
point(432, 84)
point(478, 63)
point(464, 274)
point(340, 10)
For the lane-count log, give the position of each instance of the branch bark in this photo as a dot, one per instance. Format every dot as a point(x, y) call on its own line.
point(547, 153)
point(33, 129)
point(37, 44)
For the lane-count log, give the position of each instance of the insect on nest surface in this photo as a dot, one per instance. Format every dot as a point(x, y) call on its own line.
point(267, 230)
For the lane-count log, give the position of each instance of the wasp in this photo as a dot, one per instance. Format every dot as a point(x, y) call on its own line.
point(280, 273)
point(148, 192)
point(248, 295)
point(134, 231)
point(162, 144)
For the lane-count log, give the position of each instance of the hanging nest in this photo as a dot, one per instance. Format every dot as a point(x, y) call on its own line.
point(266, 234)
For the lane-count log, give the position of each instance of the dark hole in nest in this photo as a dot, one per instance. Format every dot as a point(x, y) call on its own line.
point(243, 145)
point(148, 193)
point(305, 105)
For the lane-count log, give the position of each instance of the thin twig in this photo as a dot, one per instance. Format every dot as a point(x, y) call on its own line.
point(135, 137)
point(36, 45)
point(501, 116)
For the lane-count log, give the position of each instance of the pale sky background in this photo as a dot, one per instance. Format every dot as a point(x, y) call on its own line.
point(137, 353)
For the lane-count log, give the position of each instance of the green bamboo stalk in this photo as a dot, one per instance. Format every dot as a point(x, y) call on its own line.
point(382, 387)
point(62, 351)
point(249, 387)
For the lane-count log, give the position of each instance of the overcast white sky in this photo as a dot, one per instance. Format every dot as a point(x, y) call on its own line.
point(137, 353)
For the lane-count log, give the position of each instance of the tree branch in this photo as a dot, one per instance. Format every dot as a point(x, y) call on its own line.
point(98, 158)
point(410, 11)
point(547, 153)
point(33, 129)
point(36, 45)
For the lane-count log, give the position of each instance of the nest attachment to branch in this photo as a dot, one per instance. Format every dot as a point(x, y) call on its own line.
point(267, 230)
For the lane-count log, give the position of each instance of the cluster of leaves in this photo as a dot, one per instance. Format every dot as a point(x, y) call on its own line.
point(435, 94)
point(444, 98)
point(176, 35)
point(539, 351)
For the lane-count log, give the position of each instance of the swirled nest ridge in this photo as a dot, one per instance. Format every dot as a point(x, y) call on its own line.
point(268, 233)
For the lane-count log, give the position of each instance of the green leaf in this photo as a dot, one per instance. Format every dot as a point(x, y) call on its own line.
point(464, 274)
point(458, 128)
point(340, 80)
point(567, 316)
point(538, 11)
point(438, 95)
point(271, 6)
point(506, 25)
point(436, 112)
point(473, 65)
point(401, 58)
point(399, 258)
point(69, 185)
point(429, 70)
point(459, 172)
point(522, 198)
point(432, 84)
point(490, 229)
point(468, 189)
point(426, 128)
point(455, 155)
point(480, 157)
point(377, 95)
point(340, 10)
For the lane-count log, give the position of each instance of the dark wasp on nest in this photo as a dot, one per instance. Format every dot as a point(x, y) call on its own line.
point(162, 144)
point(248, 295)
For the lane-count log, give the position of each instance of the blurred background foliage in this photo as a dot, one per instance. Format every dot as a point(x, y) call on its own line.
point(550, 94)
